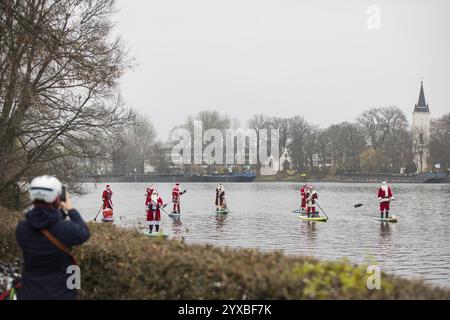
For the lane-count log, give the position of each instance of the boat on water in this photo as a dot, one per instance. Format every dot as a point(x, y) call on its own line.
point(244, 177)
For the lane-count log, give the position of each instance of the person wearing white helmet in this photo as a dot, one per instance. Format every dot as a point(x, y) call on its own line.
point(46, 237)
point(384, 197)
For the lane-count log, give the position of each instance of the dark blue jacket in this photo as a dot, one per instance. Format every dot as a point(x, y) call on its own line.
point(44, 270)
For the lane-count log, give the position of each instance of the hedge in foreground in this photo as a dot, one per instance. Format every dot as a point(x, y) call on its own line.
point(123, 264)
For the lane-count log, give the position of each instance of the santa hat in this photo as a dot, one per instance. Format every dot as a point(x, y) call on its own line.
point(108, 186)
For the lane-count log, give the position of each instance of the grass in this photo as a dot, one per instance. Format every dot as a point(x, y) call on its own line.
point(124, 264)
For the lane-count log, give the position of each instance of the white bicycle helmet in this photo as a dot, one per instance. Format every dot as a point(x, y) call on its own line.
point(45, 188)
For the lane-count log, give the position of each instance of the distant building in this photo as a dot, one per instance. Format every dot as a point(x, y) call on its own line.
point(421, 133)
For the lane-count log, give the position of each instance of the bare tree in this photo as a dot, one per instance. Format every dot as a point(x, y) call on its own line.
point(440, 141)
point(347, 141)
point(386, 130)
point(298, 134)
point(135, 145)
point(58, 80)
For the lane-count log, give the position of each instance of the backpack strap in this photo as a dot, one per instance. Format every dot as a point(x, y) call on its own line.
point(59, 245)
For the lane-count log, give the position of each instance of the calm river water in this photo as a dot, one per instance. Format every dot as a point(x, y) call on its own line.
point(418, 246)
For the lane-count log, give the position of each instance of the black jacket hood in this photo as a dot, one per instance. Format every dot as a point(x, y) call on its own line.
point(43, 218)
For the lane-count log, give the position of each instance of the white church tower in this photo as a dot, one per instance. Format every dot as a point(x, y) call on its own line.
point(421, 132)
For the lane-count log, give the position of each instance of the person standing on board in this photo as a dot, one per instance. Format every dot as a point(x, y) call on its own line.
point(311, 198)
point(154, 212)
point(384, 196)
point(220, 198)
point(176, 198)
point(303, 190)
point(107, 202)
point(148, 198)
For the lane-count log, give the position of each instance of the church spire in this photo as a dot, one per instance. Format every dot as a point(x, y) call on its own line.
point(421, 106)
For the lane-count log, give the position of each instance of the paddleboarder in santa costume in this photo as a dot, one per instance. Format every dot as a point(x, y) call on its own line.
point(107, 202)
point(154, 212)
point(176, 198)
point(384, 196)
point(311, 198)
point(303, 190)
point(220, 198)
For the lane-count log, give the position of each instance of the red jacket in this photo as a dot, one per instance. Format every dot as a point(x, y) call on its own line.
point(159, 203)
point(314, 197)
point(384, 195)
point(106, 196)
point(154, 214)
point(303, 196)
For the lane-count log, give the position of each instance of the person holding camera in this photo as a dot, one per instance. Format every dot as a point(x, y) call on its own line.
point(46, 237)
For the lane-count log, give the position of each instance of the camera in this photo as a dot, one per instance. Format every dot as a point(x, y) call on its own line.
point(63, 194)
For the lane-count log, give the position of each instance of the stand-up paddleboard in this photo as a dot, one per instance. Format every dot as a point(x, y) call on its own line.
point(391, 219)
point(319, 219)
point(159, 234)
point(109, 219)
point(222, 211)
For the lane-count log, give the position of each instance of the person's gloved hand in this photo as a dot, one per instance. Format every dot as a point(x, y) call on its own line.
point(67, 205)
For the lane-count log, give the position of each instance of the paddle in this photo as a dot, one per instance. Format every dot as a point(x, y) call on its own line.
point(162, 207)
point(361, 204)
point(95, 219)
point(322, 210)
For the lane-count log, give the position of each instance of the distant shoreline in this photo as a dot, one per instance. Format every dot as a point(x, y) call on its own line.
point(356, 178)
point(361, 178)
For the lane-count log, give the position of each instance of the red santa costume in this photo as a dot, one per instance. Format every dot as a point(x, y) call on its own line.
point(311, 197)
point(148, 198)
point(107, 202)
point(154, 212)
point(176, 198)
point(303, 190)
point(384, 196)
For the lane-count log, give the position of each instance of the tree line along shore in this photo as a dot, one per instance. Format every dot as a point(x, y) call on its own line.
point(61, 112)
point(117, 263)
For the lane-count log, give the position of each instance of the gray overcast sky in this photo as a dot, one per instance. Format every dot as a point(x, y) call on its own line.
point(315, 58)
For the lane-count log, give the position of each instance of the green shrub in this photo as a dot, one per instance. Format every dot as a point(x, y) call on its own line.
point(124, 264)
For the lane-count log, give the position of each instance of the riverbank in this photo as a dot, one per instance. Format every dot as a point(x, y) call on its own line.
point(124, 264)
point(357, 178)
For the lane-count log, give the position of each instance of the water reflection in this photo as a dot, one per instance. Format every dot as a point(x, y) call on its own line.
point(309, 229)
point(220, 221)
point(385, 230)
